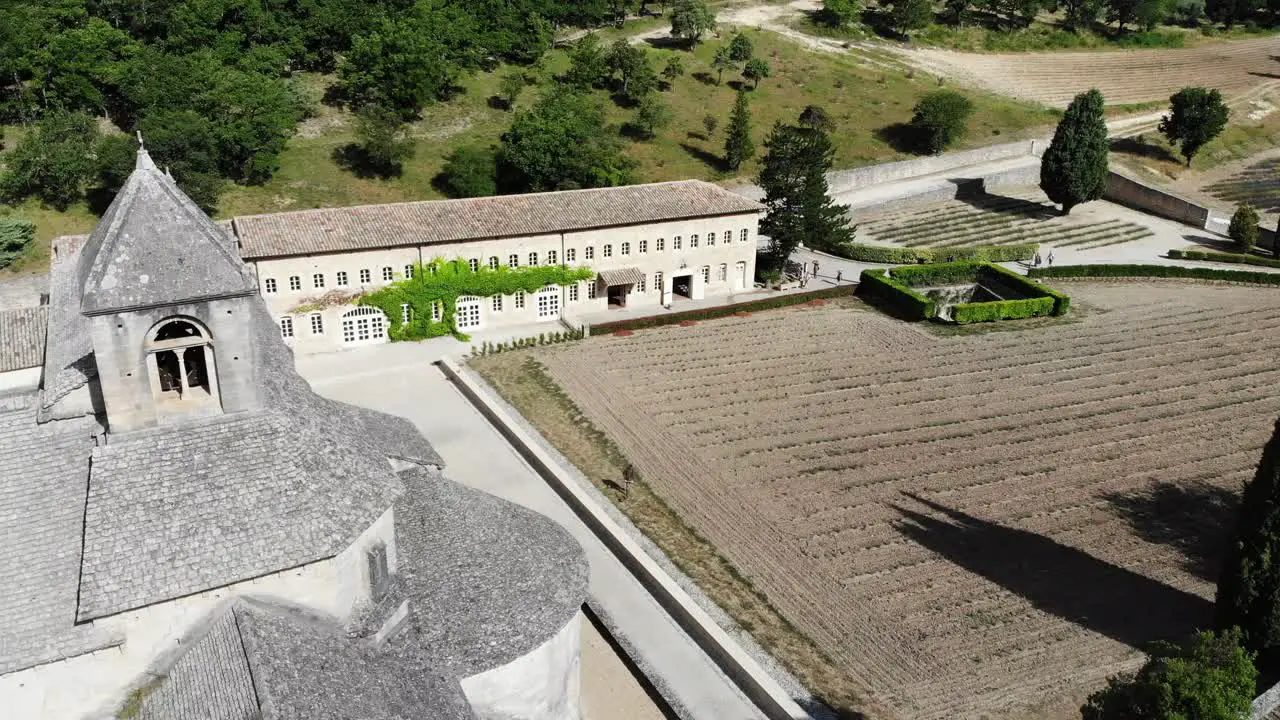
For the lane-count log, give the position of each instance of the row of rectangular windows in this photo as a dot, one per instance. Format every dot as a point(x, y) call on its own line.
point(388, 274)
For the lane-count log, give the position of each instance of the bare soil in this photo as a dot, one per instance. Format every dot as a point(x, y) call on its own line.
point(977, 526)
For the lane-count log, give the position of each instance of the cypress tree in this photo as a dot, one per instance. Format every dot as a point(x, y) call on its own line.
point(737, 144)
point(1249, 586)
point(1074, 168)
point(1244, 227)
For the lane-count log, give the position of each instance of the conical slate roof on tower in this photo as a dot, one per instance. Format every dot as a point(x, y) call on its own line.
point(155, 247)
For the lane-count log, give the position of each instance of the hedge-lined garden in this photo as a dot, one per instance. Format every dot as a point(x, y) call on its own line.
point(900, 255)
point(1156, 271)
point(719, 311)
point(894, 290)
point(1223, 257)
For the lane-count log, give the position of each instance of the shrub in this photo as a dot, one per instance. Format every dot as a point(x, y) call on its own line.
point(937, 273)
point(470, 171)
point(895, 298)
point(1024, 285)
point(16, 235)
point(964, 313)
point(1222, 257)
point(720, 311)
point(1160, 271)
point(1244, 227)
point(903, 255)
point(940, 119)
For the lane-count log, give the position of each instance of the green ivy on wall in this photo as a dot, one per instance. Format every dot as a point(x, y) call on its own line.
point(444, 281)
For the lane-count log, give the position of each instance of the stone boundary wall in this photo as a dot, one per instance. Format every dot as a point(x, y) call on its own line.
point(1134, 193)
point(760, 687)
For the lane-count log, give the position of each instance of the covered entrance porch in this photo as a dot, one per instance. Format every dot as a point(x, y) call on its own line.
point(620, 283)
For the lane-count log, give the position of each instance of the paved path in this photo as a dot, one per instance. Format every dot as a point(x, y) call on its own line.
point(399, 379)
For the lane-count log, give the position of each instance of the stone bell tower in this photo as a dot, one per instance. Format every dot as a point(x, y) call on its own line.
point(168, 301)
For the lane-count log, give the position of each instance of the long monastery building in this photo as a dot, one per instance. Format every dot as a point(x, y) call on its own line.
point(650, 245)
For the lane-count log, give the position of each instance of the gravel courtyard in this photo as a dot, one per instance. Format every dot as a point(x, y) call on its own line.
point(972, 525)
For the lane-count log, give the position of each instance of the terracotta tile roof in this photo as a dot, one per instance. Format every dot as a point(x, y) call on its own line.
point(22, 338)
point(438, 221)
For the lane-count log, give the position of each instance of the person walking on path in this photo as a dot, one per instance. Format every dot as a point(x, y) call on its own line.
point(839, 274)
point(1050, 258)
point(815, 268)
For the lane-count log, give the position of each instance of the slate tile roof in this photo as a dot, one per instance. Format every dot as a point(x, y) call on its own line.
point(22, 338)
point(211, 681)
point(177, 510)
point(438, 221)
point(68, 355)
point(44, 472)
point(134, 257)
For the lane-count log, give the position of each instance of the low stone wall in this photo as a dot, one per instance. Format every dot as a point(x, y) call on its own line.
point(1133, 193)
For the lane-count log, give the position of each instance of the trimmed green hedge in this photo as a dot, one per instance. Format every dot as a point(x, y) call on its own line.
point(1061, 301)
point(937, 273)
point(964, 313)
point(906, 255)
point(895, 298)
point(720, 311)
point(1222, 257)
point(1159, 271)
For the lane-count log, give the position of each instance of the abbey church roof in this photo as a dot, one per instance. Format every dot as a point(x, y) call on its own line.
point(154, 246)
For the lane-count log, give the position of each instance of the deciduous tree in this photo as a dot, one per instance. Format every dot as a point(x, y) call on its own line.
point(631, 65)
point(400, 66)
point(53, 161)
point(384, 140)
point(588, 63)
point(652, 115)
point(738, 147)
point(940, 119)
point(840, 13)
point(470, 171)
point(721, 62)
point(1207, 677)
point(910, 15)
point(740, 48)
point(1074, 167)
point(710, 123)
point(690, 19)
point(562, 144)
point(756, 70)
point(510, 87)
point(816, 117)
point(673, 69)
point(1081, 14)
point(1196, 116)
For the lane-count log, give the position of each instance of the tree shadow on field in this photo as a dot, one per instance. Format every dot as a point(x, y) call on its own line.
point(712, 160)
point(1056, 578)
point(1142, 148)
point(1004, 205)
point(1194, 519)
point(902, 138)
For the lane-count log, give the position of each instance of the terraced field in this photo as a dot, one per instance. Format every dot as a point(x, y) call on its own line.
point(1124, 77)
point(993, 220)
point(1258, 184)
point(978, 526)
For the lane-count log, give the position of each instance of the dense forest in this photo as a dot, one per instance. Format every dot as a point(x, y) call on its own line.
point(210, 84)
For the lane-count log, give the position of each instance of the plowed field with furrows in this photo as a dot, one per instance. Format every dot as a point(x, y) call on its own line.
point(1132, 76)
point(973, 526)
point(994, 220)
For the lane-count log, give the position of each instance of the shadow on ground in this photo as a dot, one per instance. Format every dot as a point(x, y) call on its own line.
point(712, 160)
point(1258, 184)
point(1142, 148)
point(1056, 578)
point(1193, 519)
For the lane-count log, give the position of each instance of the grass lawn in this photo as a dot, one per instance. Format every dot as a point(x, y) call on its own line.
point(862, 100)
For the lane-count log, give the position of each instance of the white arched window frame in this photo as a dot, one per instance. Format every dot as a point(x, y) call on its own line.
point(180, 360)
point(364, 326)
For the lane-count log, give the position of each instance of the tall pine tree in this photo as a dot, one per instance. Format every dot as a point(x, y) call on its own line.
point(738, 147)
point(798, 206)
point(1074, 168)
point(1249, 586)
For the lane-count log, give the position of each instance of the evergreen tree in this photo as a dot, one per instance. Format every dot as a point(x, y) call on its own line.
point(1074, 168)
point(909, 15)
point(738, 147)
point(1249, 585)
point(721, 62)
point(799, 208)
point(1207, 677)
point(1244, 227)
point(1196, 116)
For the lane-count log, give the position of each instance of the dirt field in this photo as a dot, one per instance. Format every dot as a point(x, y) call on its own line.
point(980, 525)
point(1135, 76)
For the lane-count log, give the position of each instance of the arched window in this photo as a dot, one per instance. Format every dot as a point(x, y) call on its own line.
point(364, 326)
point(180, 362)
